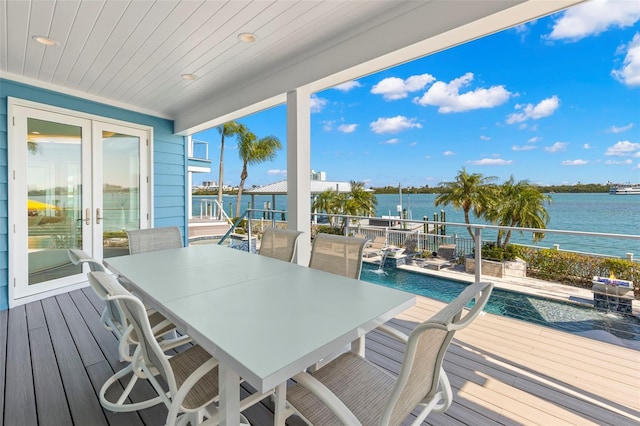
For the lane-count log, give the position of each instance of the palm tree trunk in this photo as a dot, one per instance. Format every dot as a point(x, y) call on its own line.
point(466, 220)
point(243, 178)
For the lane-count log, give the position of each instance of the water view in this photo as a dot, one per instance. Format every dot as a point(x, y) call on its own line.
point(617, 214)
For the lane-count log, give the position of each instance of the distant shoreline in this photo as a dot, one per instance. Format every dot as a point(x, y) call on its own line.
point(591, 188)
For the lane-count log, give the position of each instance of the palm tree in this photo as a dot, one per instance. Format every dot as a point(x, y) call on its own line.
point(468, 192)
point(254, 151)
point(520, 204)
point(328, 201)
point(228, 130)
point(360, 202)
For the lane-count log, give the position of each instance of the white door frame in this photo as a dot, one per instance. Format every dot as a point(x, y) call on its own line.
point(17, 225)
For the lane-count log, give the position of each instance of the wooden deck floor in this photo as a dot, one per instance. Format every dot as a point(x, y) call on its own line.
point(55, 355)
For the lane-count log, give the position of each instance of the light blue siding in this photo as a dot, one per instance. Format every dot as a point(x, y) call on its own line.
point(169, 151)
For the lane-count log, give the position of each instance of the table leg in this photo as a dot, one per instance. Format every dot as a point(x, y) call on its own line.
point(229, 385)
point(280, 400)
point(357, 346)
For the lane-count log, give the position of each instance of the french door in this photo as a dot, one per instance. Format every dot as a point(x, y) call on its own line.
point(76, 182)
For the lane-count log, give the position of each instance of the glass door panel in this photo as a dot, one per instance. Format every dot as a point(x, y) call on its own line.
point(54, 198)
point(120, 190)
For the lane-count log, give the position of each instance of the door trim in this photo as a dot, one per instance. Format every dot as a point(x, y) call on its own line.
point(12, 103)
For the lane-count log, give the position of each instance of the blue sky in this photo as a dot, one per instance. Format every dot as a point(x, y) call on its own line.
point(553, 101)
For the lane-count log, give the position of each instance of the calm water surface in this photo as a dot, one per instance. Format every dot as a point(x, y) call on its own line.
point(616, 214)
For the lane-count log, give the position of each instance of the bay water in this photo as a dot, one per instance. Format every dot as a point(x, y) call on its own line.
point(601, 213)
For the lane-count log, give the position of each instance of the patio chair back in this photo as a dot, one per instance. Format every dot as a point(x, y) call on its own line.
point(112, 317)
point(136, 313)
point(421, 370)
point(447, 251)
point(152, 239)
point(279, 243)
point(337, 254)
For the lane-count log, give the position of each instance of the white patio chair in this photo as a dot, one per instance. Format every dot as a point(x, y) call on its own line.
point(118, 323)
point(352, 391)
point(337, 254)
point(445, 256)
point(191, 376)
point(279, 243)
point(152, 239)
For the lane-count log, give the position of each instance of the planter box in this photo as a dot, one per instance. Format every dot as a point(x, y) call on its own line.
point(516, 268)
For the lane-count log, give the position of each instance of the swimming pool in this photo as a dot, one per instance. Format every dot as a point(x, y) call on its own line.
point(537, 310)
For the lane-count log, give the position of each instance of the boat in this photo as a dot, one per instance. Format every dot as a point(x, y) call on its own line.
point(626, 189)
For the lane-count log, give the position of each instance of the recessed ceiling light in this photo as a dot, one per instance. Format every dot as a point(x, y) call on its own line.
point(47, 41)
point(189, 77)
point(247, 37)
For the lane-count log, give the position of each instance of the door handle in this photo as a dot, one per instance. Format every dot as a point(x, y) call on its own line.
point(98, 217)
point(87, 218)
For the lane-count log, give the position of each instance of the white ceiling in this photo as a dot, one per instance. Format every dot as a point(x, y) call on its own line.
point(133, 53)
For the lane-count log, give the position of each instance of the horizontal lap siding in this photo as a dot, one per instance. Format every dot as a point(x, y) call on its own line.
point(4, 189)
point(169, 153)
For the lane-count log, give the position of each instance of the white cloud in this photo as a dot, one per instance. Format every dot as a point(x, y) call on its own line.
point(534, 139)
point(622, 149)
point(413, 144)
point(327, 126)
point(317, 103)
point(616, 129)
point(614, 162)
point(586, 146)
point(393, 88)
point(448, 153)
point(347, 85)
point(448, 98)
point(392, 141)
point(558, 146)
point(629, 74)
point(485, 138)
point(574, 162)
point(594, 17)
point(347, 128)
point(394, 124)
point(277, 172)
point(490, 162)
point(523, 147)
point(545, 108)
point(427, 157)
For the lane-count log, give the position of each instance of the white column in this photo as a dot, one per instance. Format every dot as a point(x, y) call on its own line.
point(299, 169)
point(189, 180)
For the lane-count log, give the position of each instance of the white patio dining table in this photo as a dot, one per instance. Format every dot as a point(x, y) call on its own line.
point(263, 319)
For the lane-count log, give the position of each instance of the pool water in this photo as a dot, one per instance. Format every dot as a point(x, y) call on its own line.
point(537, 310)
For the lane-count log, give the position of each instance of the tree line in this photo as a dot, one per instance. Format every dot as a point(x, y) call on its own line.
point(579, 188)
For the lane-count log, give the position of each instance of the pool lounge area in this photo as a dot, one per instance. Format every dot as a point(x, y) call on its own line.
point(502, 371)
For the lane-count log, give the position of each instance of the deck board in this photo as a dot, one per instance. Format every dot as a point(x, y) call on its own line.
point(81, 398)
point(502, 371)
point(49, 391)
point(20, 407)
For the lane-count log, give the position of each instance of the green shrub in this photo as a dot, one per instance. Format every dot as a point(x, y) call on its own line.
point(491, 251)
point(578, 269)
point(325, 229)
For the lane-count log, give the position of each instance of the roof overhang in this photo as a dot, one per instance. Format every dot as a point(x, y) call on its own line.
point(133, 54)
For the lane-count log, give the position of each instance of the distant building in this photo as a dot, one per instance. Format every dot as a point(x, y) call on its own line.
point(321, 176)
point(209, 184)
